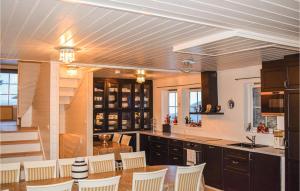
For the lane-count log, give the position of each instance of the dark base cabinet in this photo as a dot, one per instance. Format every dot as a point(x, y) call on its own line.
point(236, 181)
point(158, 151)
point(265, 172)
point(292, 175)
point(213, 171)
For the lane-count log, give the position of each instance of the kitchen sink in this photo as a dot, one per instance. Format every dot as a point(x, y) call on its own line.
point(247, 145)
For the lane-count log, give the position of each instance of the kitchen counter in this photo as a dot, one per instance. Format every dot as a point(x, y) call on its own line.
point(214, 142)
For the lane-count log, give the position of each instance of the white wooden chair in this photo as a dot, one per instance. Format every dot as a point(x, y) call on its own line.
point(149, 181)
point(102, 163)
point(40, 170)
point(125, 140)
point(189, 178)
point(116, 138)
point(64, 186)
point(133, 160)
point(106, 184)
point(65, 167)
point(9, 172)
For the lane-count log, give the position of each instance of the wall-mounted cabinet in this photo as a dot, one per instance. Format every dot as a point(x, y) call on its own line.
point(122, 105)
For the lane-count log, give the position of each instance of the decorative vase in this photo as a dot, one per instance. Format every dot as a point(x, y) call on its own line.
point(79, 169)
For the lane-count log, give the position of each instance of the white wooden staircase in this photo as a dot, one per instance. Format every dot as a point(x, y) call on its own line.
point(67, 86)
point(21, 144)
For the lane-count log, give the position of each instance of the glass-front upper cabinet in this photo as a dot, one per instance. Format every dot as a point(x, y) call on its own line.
point(99, 95)
point(99, 122)
point(112, 93)
point(137, 95)
point(147, 95)
point(147, 120)
point(112, 121)
point(126, 95)
point(137, 120)
point(126, 120)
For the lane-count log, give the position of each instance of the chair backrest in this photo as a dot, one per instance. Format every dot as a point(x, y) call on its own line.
point(102, 163)
point(40, 170)
point(133, 160)
point(116, 138)
point(64, 186)
point(189, 178)
point(125, 140)
point(106, 184)
point(9, 172)
point(65, 167)
point(149, 181)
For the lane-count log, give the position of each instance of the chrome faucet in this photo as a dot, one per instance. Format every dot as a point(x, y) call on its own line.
point(252, 140)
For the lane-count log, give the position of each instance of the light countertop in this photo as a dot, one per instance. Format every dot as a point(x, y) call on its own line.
point(215, 142)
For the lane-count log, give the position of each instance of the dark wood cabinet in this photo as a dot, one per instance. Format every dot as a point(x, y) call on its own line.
point(292, 127)
point(159, 151)
point(265, 172)
point(122, 105)
point(145, 146)
point(273, 75)
point(236, 170)
point(176, 156)
point(213, 171)
point(292, 64)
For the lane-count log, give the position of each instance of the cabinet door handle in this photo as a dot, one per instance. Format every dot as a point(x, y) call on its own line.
point(157, 154)
point(285, 83)
point(235, 162)
point(175, 158)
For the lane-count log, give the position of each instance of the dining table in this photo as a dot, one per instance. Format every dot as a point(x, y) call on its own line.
point(124, 185)
point(111, 147)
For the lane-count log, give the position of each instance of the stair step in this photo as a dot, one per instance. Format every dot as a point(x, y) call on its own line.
point(19, 142)
point(64, 100)
point(21, 129)
point(21, 154)
point(68, 83)
point(66, 91)
point(19, 135)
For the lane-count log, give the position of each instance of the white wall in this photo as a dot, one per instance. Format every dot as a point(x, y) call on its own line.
point(229, 126)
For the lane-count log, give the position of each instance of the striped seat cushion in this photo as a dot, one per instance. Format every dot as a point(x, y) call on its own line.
point(148, 185)
point(188, 181)
point(8, 176)
point(130, 163)
point(104, 188)
point(103, 166)
point(41, 173)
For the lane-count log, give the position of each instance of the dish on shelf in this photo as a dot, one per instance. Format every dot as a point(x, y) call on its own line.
point(98, 90)
point(97, 98)
point(113, 89)
point(146, 99)
point(124, 122)
point(124, 105)
point(137, 99)
point(111, 105)
point(112, 117)
point(112, 122)
point(99, 122)
point(125, 90)
point(111, 98)
point(98, 106)
point(124, 99)
point(99, 116)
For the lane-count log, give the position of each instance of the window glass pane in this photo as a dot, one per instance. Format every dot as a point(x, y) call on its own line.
point(13, 99)
point(193, 101)
point(199, 98)
point(195, 118)
point(257, 118)
point(272, 122)
point(3, 88)
point(4, 78)
point(172, 112)
point(256, 97)
point(13, 89)
point(3, 99)
point(172, 99)
point(13, 78)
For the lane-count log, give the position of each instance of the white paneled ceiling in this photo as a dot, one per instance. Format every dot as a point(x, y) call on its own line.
point(142, 33)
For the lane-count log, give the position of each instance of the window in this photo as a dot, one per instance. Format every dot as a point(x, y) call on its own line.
point(255, 113)
point(8, 88)
point(195, 103)
point(172, 104)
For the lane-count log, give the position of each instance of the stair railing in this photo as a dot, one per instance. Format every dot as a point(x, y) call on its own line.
point(41, 142)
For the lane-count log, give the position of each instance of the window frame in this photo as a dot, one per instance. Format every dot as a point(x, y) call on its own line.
point(9, 72)
point(199, 117)
point(251, 109)
point(176, 103)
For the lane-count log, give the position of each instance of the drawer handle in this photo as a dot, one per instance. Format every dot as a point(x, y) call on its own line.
point(175, 149)
point(175, 158)
point(235, 162)
point(157, 154)
point(158, 146)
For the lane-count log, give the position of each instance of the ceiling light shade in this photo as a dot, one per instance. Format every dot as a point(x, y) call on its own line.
point(66, 54)
point(187, 65)
point(140, 76)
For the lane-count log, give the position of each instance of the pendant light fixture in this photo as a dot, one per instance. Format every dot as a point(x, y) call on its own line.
point(140, 76)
